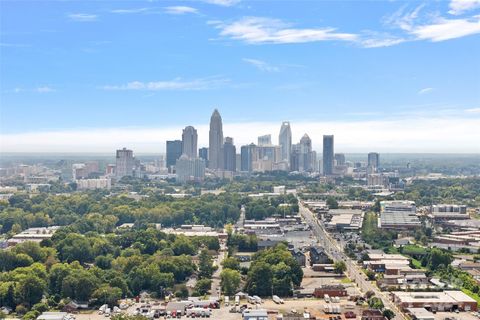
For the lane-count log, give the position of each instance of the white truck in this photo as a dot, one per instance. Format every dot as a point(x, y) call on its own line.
point(237, 300)
point(227, 301)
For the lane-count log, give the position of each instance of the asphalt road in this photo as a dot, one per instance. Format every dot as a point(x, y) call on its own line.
point(354, 272)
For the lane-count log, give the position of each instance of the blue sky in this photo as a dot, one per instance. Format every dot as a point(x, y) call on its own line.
point(354, 68)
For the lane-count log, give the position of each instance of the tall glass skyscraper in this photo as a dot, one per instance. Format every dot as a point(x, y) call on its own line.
point(285, 141)
point(328, 155)
point(230, 155)
point(189, 142)
point(215, 145)
point(174, 151)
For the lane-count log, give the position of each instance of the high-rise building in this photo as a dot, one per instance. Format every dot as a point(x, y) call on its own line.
point(203, 154)
point(174, 151)
point(305, 154)
point(373, 162)
point(265, 140)
point(339, 159)
point(248, 156)
point(189, 142)
point(328, 155)
point(190, 169)
point(230, 155)
point(285, 141)
point(125, 163)
point(215, 145)
point(295, 157)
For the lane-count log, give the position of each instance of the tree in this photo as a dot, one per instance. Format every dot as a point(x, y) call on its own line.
point(375, 303)
point(332, 203)
point(203, 286)
point(231, 263)
point(205, 265)
point(259, 280)
point(31, 288)
point(389, 314)
point(75, 247)
point(370, 274)
point(230, 281)
point(107, 295)
point(339, 267)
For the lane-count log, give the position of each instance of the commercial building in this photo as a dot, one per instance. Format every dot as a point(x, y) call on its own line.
point(215, 142)
point(444, 212)
point(265, 140)
point(398, 205)
point(318, 256)
point(125, 163)
point(230, 155)
point(435, 301)
point(92, 184)
point(339, 159)
point(189, 142)
point(330, 290)
point(174, 151)
point(344, 219)
point(33, 234)
point(285, 141)
point(373, 162)
point(190, 169)
point(248, 156)
point(203, 154)
point(328, 155)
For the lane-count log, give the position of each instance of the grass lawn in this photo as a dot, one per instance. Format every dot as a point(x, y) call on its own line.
point(472, 295)
point(346, 280)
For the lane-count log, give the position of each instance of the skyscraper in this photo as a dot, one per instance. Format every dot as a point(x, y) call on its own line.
point(203, 154)
point(248, 155)
point(339, 159)
point(189, 142)
point(306, 153)
point(295, 157)
point(215, 145)
point(373, 162)
point(230, 155)
point(328, 155)
point(285, 141)
point(265, 140)
point(125, 163)
point(174, 151)
point(190, 169)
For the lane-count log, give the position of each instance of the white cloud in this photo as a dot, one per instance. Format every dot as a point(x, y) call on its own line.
point(448, 135)
point(432, 27)
point(261, 65)
point(44, 89)
point(82, 17)
point(130, 11)
point(458, 7)
point(223, 3)
point(381, 42)
point(445, 29)
point(180, 10)
point(175, 84)
point(425, 90)
point(258, 30)
point(473, 110)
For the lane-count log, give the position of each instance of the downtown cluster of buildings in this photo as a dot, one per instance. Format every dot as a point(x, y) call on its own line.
point(222, 158)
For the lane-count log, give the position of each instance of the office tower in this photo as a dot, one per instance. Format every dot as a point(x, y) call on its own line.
point(295, 156)
point(174, 151)
point(189, 142)
point(125, 163)
point(328, 155)
point(305, 153)
point(215, 156)
point(248, 155)
point(238, 157)
point(373, 162)
point(203, 154)
point(265, 140)
point(189, 169)
point(339, 159)
point(285, 140)
point(230, 155)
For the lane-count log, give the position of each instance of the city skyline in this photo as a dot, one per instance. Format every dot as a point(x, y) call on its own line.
point(407, 70)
